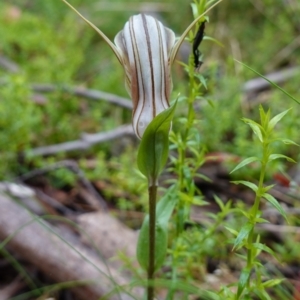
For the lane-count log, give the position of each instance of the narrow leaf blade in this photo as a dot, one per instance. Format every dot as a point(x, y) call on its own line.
point(275, 203)
point(243, 281)
point(245, 162)
point(276, 119)
point(244, 232)
point(250, 185)
point(277, 156)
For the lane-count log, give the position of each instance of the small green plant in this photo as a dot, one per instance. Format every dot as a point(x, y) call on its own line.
point(246, 237)
point(189, 156)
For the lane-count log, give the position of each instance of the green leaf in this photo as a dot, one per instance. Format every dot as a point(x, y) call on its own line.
point(265, 248)
point(243, 281)
point(255, 127)
point(275, 203)
point(202, 80)
point(164, 211)
point(268, 187)
point(276, 156)
point(261, 220)
point(272, 282)
point(288, 142)
point(194, 10)
point(244, 232)
point(245, 162)
point(161, 243)
point(264, 117)
point(219, 202)
point(262, 294)
point(204, 177)
point(165, 207)
point(241, 256)
point(208, 38)
point(154, 148)
point(231, 230)
point(250, 185)
point(276, 119)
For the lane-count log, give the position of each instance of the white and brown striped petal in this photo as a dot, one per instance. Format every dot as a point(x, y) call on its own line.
point(146, 45)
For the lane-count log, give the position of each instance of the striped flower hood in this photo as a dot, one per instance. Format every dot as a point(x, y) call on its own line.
point(145, 46)
point(146, 49)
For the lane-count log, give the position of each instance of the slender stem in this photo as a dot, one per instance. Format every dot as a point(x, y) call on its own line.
point(152, 221)
point(183, 207)
point(255, 208)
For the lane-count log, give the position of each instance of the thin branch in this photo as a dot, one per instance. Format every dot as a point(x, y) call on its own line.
point(8, 65)
point(278, 228)
point(86, 141)
point(73, 167)
point(86, 93)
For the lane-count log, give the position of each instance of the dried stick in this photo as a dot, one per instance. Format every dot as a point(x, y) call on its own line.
point(72, 166)
point(8, 65)
point(86, 141)
point(83, 92)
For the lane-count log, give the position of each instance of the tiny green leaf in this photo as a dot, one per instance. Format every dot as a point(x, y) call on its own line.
point(245, 162)
point(256, 128)
point(154, 148)
point(261, 220)
point(165, 207)
point(194, 10)
point(289, 142)
point(272, 282)
point(275, 203)
point(262, 294)
point(250, 185)
point(276, 119)
point(243, 281)
point(265, 248)
point(276, 156)
point(231, 230)
point(219, 202)
point(244, 232)
point(264, 117)
point(268, 187)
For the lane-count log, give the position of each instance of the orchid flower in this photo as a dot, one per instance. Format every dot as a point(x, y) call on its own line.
point(146, 49)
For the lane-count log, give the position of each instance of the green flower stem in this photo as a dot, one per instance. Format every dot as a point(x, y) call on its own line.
point(174, 279)
point(183, 209)
point(255, 207)
point(152, 219)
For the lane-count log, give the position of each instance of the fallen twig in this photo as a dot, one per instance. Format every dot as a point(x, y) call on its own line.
point(86, 141)
point(278, 229)
point(72, 166)
point(8, 65)
point(86, 93)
